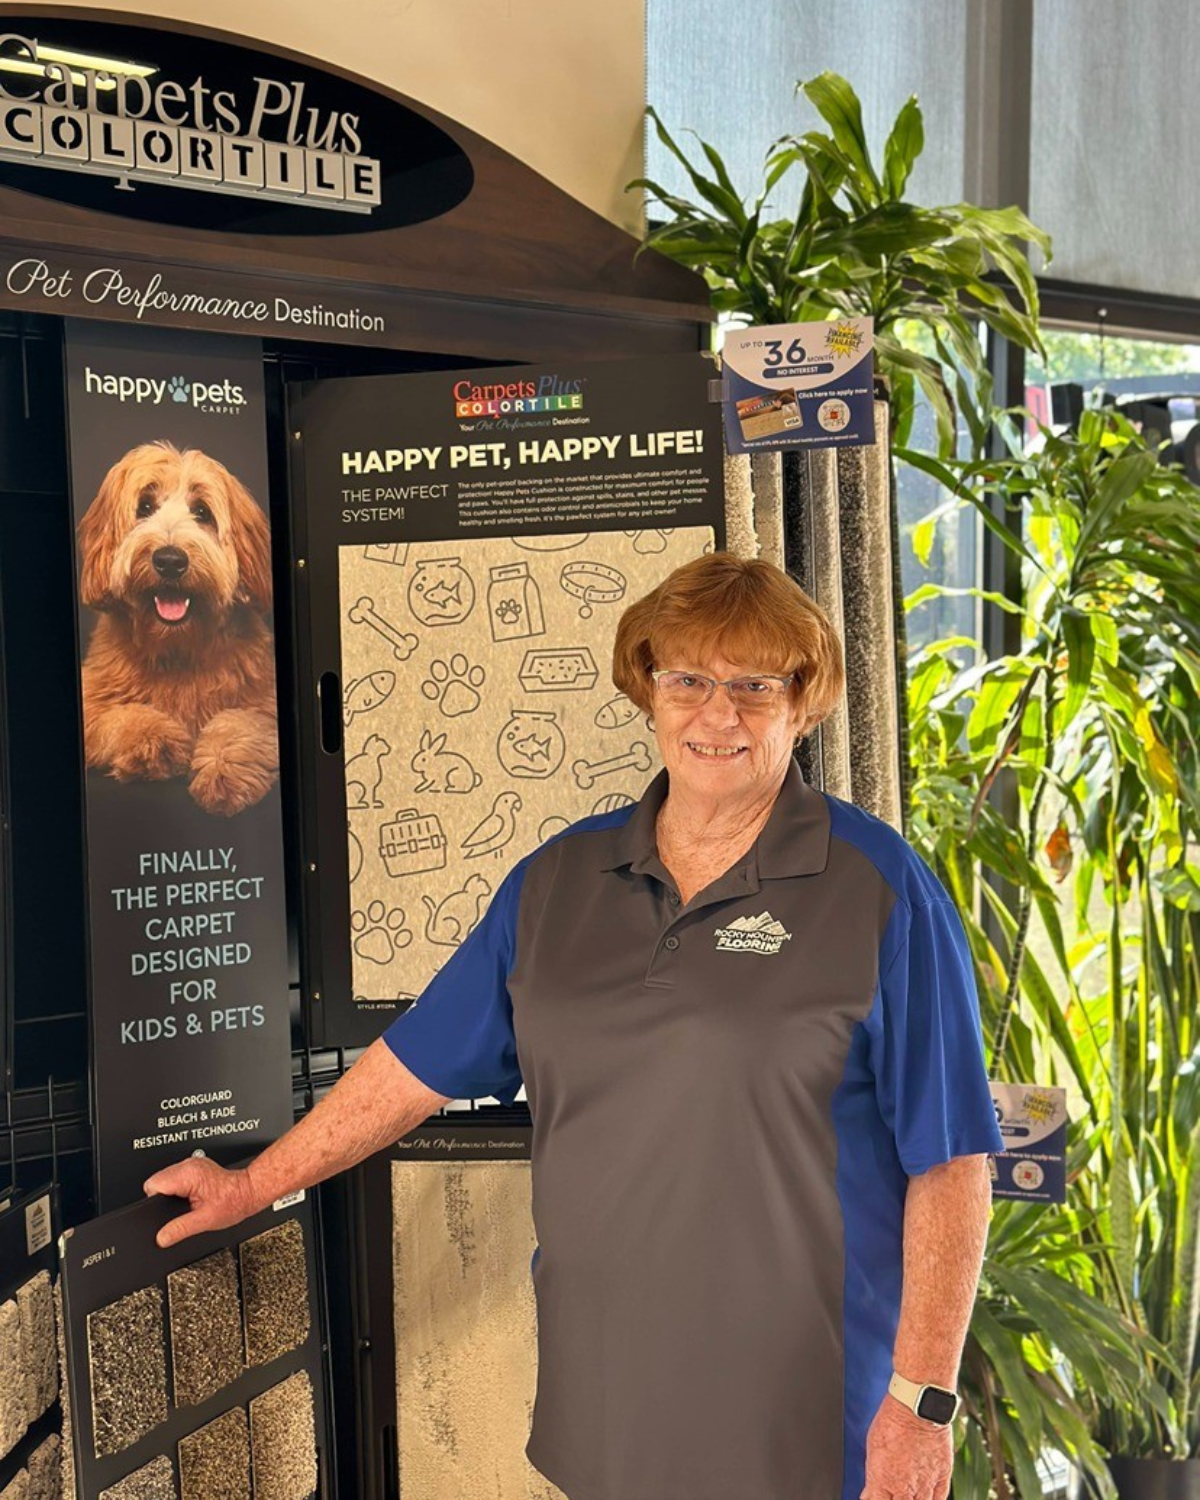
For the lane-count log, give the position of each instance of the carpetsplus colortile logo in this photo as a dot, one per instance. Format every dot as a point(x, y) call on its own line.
point(518, 398)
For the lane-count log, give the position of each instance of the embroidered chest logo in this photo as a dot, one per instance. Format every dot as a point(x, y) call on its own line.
point(761, 934)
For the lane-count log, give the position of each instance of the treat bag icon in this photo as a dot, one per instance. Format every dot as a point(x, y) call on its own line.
point(514, 604)
point(441, 592)
point(531, 745)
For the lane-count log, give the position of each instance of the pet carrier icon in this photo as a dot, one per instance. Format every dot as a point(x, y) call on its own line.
point(413, 844)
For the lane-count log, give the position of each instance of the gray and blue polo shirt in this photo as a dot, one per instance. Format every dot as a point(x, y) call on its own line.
point(728, 1100)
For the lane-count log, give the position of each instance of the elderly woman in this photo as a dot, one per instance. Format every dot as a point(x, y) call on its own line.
point(745, 1018)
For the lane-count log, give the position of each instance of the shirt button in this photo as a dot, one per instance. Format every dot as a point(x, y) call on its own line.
point(671, 943)
point(673, 898)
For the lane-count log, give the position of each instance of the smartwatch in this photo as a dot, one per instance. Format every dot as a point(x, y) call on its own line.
point(933, 1403)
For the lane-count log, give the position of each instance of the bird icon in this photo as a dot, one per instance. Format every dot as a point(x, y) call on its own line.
point(496, 829)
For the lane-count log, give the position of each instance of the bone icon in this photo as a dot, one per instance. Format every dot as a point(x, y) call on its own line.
point(636, 758)
point(363, 613)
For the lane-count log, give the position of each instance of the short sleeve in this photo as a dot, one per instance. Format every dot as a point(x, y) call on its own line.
point(457, 1038)
point(926, 1043)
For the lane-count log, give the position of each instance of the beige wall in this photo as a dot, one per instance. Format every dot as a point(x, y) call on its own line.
point(559, 85)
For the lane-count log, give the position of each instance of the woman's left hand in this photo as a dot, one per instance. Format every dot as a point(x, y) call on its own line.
point(907, 1457)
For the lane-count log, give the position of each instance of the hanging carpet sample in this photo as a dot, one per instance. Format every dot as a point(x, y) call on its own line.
point(767, 481)
point(740, 538)
point(466, 1340)
point(868, 606)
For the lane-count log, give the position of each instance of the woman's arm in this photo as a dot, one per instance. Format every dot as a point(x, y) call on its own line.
point(376, 1103)
point(946, 1216)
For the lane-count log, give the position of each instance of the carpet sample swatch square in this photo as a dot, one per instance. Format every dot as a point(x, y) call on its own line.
point(206, 1327)
point(154, 1481)
point(274, 1292)
point(283, 1441)
point(127, 1356)
point(39, 1348)
point(214, 1461)
point(13, 1419)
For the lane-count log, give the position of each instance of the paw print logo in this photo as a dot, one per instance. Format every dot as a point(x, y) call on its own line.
point(179, 388)
point(454, 685)
point(379, 933)
point(508, 611)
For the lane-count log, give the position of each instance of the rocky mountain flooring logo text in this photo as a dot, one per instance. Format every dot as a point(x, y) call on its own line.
point(761, 934)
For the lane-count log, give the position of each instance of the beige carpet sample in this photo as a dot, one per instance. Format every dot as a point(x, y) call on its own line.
point(13, 1420)
point(206, 1327)
point(39, 1349)
point(466, 1331)
point(18, 1486)
point(68, 1451)
point(45, 1470)
point(480, 719)
point(767, 481)
point(283, 1441)
point(214, 1461)
point(274, 1292)
point(127, 1356)
point(154, 1481)
point(740, 536)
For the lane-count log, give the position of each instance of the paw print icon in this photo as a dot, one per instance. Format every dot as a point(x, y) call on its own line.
point(179, 388)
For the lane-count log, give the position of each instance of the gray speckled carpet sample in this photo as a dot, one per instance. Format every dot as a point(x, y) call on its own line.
point(214, 1461)
point(13, 1420)
point(739, 506)
point(826, 569)
point(870, 641)
point(39, 1348)
point(466, 1330)
point(274, 1292)
point(45, 1470)
point(283, 1441)
point(154, 1481)
point(127, 1355)
point(767, 481)
point(206, 1327)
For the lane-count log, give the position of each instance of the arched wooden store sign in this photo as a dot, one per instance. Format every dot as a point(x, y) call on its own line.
point(171, 175)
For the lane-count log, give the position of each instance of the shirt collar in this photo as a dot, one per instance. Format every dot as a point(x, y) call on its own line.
point(795, 840)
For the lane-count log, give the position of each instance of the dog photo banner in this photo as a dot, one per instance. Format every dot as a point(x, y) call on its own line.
point(188, 949)
point(471, 540)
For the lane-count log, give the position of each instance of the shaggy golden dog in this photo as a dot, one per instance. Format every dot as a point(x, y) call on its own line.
point(179, 678)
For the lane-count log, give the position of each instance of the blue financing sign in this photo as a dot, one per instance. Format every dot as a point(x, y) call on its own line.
point(1033, 1123)
point(800, 385)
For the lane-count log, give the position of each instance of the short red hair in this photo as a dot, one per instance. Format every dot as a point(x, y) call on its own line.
point(741, 608)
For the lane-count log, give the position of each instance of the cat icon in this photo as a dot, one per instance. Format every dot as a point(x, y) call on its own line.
point(364, 773)
point(451, 920)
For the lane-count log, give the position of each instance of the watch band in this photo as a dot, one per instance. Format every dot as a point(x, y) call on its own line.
point(920, 1398)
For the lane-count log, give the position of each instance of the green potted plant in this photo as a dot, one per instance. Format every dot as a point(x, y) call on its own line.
point(1098, 718)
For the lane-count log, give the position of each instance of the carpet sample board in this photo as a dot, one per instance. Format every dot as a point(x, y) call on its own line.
point(466, 1331)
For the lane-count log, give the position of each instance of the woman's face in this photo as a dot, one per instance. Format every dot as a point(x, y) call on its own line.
point(719, 749)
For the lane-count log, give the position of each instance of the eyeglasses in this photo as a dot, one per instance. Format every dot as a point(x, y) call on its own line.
point(691, 690)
